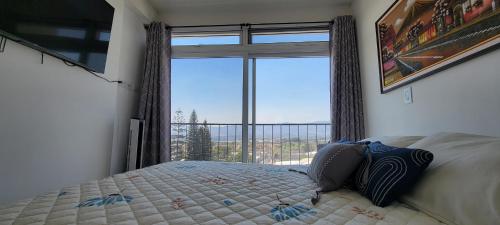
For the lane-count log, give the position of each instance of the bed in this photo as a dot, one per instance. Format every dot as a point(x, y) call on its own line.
point(193, 192)
point(200, 192)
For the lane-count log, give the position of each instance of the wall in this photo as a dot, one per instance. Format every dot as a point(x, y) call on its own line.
point(56, 124)
point(464, 98)
point(128, 44)
point(250, 14)
point(59, 124)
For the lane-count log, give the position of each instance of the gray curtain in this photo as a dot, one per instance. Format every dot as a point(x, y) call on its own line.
point(345, 82)
point(154, 106)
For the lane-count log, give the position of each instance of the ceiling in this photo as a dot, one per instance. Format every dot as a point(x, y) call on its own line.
point(166, 6)
point(228, 11)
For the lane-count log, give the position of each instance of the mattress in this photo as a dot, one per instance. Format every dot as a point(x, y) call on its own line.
point(205, 193)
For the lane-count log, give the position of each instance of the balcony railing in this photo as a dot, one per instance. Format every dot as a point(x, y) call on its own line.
point(281, 144)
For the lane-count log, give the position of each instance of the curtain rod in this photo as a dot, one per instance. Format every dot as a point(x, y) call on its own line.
point(244, 24)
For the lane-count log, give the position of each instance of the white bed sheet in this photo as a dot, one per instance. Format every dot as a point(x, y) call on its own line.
point(205, 193)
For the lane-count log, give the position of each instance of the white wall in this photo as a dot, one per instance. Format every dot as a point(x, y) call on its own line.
point(271, 14)
point(464, 98)
point(59, 124)
point(56, 124)
point(128, 44)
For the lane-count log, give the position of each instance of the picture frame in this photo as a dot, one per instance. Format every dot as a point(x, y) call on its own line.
point(418, 38)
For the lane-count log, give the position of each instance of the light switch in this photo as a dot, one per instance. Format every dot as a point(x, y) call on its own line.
point(407, 95)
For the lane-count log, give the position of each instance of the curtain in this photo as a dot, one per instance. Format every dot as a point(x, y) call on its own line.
point(345, 82)
point(154, 105)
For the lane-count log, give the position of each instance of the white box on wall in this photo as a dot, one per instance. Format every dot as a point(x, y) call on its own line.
point(407, 95)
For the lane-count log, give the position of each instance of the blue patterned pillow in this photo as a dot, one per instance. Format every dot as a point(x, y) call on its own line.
point(387, 172)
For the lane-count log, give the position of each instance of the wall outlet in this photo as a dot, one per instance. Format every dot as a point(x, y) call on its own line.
point(407, 95)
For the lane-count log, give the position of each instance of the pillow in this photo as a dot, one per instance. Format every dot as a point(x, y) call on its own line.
point(342, 141)
point(396, 141)
point(462, 184)
point(320, 146)
point(388, 172)
point(333, 164)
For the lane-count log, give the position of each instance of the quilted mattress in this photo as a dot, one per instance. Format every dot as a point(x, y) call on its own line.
point(205, 193)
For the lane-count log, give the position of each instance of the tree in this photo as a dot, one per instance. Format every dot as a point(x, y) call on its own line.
point(179, 140)
point(193, 138)
point(206, 142)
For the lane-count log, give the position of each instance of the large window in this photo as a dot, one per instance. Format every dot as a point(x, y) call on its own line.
point(292, 108)
point(293, 90)
point(206, 100)
point(211, 87)
point(250, 99)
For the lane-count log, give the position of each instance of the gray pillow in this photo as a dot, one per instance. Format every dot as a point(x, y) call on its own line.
point(334, 163)
point(320, 146)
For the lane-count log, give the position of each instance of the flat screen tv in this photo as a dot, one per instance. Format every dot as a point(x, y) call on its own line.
point(76, 31)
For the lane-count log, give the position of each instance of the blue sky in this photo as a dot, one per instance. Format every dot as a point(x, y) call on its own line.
point(213, 87)
point(292, 90)
point(288, 90)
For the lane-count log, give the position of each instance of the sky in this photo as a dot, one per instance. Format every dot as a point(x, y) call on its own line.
point(294, 90)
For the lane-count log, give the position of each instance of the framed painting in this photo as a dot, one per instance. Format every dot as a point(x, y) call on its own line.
point(417, 38)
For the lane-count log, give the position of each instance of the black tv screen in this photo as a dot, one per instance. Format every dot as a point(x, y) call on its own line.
point(74, 30)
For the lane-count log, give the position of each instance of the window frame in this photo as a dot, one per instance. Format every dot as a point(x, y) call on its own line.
point(250, 52)
point(246, 48)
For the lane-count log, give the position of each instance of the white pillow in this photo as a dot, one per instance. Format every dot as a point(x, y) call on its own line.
point(462, 184)
point(396, 141)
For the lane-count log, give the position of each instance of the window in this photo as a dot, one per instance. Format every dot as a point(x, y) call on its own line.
point(292, 108)
point(206, 39)
point(290, 36)
point(206, 109)
point(255, 99)
point(288, 90)
point(209, 86)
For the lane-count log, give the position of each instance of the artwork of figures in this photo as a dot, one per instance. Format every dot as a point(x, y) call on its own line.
point(417, 38)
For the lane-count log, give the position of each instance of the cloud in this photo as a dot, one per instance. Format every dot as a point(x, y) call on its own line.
point(409, 4)
point(398, 22)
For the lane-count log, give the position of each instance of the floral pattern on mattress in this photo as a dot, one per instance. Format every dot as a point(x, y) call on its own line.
point(204, 193)
point(106, 200)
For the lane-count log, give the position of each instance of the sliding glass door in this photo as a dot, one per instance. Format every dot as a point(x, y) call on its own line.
point(250, 95)
point(206, 109)
point(291, 114)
